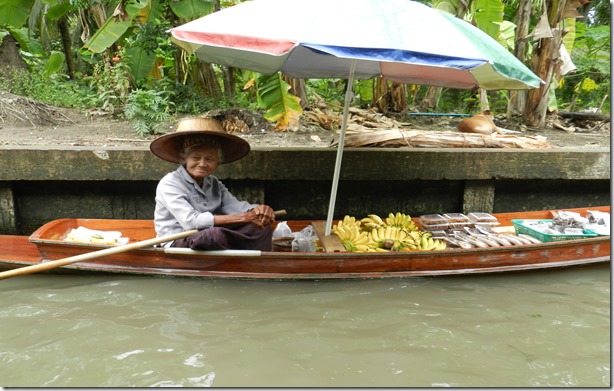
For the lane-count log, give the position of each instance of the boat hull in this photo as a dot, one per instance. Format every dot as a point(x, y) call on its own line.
point(47, 244)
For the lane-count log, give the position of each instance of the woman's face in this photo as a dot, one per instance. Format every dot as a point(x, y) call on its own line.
point(201, 161)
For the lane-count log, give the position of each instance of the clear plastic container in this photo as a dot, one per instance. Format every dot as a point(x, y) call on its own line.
point(433, 222)
point(481, 217)
point(435, 227)
point(457, 220)
point(433, 219)
point(437, 234)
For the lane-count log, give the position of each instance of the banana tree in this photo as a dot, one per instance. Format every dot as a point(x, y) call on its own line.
point(26, 20)
point(281, 107)
point(546, 60)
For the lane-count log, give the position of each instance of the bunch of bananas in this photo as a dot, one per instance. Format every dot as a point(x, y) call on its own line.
point(397, 233)
point(372, 222)
point(390, 238)
point(402, 221)
point(353, 238)
point(427, 243)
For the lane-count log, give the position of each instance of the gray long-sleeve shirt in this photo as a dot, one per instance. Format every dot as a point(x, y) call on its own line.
point(183, 205)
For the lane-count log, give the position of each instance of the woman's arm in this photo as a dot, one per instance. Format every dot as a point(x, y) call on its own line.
point(260, 216)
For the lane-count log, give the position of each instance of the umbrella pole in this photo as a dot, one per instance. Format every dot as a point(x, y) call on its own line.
point(344, 120)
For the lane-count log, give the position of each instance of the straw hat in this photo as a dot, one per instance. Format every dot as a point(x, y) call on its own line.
point(200, 130)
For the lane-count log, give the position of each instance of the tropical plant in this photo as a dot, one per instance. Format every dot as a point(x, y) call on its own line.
point(281, 107)
point(124, 47)
point(147, 110)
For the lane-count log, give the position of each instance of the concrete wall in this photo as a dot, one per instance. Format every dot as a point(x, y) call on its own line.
point(38, 185)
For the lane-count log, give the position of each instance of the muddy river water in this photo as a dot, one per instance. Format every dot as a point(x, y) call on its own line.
point(537, 329)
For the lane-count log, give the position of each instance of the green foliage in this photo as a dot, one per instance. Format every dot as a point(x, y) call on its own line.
point(113, 83)
point(185, 98)
point(281, 106)
point(192, 9)
point(592, 48)
point(27, 44)
point(147, 110)
point(140, 78)
point(364, 91)
point(488, 15)
point(330, 90)
point(591, 56)
point(55, 90)
point(448, 6)
point(114, 28)
point(150, 49)
point(54, 63)
point(15, 13)
point(602, 13)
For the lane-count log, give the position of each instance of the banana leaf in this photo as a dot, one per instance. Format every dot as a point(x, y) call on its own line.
point(15, 13)
point(192, 9)
point(281, 106)
point(54, 62)
point(116, 26)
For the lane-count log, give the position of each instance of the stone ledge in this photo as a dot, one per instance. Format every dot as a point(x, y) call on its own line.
point(275, 164)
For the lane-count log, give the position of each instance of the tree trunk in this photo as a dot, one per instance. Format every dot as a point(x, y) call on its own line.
point(544, 60)
point(207, 81)
point(230, 85)
point(380, 95)
point(66, 45)
point(297, 88)
point(523, 19)
point(431, 99)
point(484, 105)
point(398, 95)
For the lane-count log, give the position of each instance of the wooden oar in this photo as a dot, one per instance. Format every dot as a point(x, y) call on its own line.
point(95, 254)
point(101, 253)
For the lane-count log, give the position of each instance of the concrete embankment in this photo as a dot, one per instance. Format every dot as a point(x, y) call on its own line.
point(42, 184)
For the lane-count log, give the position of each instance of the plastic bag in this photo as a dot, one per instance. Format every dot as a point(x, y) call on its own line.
point(598, 222)
point(305, 240)
point(282, 230)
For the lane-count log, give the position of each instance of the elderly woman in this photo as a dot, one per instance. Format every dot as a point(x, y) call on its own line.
point(192, 197)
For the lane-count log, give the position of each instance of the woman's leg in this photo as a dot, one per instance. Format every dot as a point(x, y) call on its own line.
point(244, 237)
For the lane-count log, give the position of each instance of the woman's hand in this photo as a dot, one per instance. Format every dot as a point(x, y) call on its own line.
point(261, 216)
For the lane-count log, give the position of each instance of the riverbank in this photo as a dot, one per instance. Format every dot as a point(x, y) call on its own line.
point(70, 127)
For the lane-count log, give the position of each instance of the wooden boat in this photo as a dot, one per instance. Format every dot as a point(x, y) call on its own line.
point(332, 262)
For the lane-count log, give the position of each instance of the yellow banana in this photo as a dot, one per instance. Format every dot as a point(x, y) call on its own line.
point(423, 243)
point(361, 248)
point(381, 232)
point(374, 235)
point(344, 233)
point(349, 220)
point(441, 245)
point(362, 239)
point(390, 220)
point(388, 232)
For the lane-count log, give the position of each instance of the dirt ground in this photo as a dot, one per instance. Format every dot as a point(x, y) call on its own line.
point(28, 123)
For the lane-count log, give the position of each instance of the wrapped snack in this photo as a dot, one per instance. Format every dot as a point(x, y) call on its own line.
point(565, 219)
point(85, 235)
point(598, 222)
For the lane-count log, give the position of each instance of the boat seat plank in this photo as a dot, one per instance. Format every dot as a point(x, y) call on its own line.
point(329, 243)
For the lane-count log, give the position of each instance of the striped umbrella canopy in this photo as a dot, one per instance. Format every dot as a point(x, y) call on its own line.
point(401, 40)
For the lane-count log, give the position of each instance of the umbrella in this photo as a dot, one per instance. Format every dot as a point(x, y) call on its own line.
point(401, 40)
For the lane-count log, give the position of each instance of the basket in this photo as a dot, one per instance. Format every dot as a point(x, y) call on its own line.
point(523, 229)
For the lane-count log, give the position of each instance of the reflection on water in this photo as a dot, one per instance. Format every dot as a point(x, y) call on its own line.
point(538, 329)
